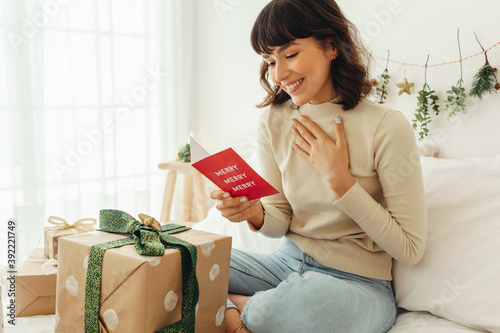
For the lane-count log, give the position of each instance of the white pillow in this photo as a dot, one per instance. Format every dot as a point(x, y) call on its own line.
point(243, 237)
point(459, 276)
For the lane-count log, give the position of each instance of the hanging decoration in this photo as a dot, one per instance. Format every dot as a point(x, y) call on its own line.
point(485, 81)
point(455, 101)
point(435, 65)
point(426, 99)
point(382, 91)
point(404, 87)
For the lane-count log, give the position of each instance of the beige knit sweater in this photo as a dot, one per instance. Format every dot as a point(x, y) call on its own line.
point(383, 216)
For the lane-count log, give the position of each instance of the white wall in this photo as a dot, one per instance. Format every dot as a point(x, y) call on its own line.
point(227, 73)
point(226, 69)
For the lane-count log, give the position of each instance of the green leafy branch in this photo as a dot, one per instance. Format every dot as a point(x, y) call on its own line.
point(382, 91)
point(426, 100)
point(485, 80)
point(184, 154)
point(455, 101)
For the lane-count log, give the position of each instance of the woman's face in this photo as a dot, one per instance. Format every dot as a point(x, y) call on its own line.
point(302, 69)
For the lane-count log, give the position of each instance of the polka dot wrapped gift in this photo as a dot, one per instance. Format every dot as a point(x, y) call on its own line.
point(143, 284)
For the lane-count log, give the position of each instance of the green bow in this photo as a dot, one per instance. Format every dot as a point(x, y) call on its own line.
point(150, 242)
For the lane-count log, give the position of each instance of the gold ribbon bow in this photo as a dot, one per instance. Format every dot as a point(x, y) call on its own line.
point(150, 221)
point(61, 224)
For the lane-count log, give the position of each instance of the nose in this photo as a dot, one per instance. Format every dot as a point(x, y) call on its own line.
point(281, 71)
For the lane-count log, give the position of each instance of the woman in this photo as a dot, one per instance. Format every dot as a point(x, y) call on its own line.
point(351, 193)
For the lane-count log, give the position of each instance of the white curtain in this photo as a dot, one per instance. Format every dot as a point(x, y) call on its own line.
point(93, 95)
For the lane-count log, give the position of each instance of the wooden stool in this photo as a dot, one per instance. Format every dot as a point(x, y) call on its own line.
point(201, 200)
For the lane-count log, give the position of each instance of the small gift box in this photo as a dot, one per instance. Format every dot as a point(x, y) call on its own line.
point(62, 228)
point(36, 286)
point(136, 278)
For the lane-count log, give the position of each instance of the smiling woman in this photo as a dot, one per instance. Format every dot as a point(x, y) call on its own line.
point(344, 206)
point(338, 39)
point(298, 69)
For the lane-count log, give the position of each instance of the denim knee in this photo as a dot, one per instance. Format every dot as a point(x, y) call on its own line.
point(314, 301)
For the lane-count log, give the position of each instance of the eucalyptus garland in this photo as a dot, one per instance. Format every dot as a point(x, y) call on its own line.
point(455, 101)
point(484, 82)
point(426, 100)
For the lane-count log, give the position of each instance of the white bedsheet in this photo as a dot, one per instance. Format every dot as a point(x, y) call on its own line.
point(408, 322)
point(424, 322)
point(35, 324)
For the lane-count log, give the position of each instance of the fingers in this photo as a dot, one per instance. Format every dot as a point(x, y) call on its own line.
point(339, 131)
point(242, 211)
point(235, 209)
point(312, 127)
point(302, 153)
point(304, 131)
point(219, 195)
point(301, 142)
point(232, 202)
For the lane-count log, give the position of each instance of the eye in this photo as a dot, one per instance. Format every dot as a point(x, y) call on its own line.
point(270, 64)
point(292, 56)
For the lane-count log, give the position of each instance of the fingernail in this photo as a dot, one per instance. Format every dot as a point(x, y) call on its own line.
point(243, 199)
point(294, 130)
point(338, 120)
point(226, 195)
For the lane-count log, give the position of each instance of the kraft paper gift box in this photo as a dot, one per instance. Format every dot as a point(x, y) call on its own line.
point(62, 228)
point(142, 293)
point(35, 290)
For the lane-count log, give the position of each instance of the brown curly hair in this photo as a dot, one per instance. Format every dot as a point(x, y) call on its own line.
point(282, 21)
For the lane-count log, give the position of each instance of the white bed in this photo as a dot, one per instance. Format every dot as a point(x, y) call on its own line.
point(455, 287)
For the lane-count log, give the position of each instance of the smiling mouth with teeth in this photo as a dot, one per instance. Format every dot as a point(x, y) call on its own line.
point(293, 86)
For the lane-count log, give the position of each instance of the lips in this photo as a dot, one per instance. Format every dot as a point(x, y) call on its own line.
point(294, 86)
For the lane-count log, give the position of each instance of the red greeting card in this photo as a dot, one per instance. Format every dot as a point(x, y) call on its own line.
point(230, 172)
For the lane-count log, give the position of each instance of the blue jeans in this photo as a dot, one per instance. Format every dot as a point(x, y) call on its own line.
point(292, 292)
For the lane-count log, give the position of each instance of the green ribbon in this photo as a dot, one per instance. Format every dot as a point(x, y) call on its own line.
point(150, 242)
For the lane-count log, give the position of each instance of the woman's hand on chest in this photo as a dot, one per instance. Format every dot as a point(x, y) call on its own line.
point(329, 157)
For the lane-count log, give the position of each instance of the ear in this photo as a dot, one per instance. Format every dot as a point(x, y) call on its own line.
point(331, 50)
point(335, 53)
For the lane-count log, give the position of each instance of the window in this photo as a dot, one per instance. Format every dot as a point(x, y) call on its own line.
point(86, 106)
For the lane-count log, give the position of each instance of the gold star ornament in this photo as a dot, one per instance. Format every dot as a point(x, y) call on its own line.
point(404, 87)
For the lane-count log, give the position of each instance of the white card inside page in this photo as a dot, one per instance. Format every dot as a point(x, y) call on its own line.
point(197, 151)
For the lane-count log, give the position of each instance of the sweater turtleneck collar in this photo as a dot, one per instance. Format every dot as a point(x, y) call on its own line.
point(321, 112)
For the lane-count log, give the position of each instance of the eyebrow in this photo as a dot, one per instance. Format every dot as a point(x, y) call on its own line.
point(281, 49)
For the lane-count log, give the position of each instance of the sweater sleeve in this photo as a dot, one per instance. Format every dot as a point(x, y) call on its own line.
point(278, 211)
point(400, 226)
